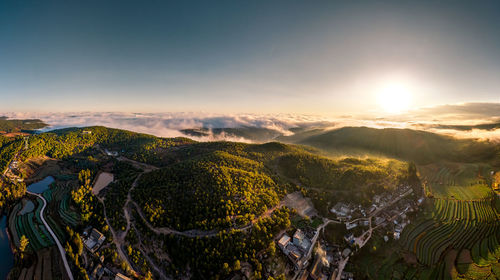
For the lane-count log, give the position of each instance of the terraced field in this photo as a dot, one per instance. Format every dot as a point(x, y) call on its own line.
point(458, 181)
point(59, 193)
point(32, 227)
point(471, 223)
point(452, 224)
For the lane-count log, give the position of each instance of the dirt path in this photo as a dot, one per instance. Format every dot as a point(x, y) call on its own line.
point(116, 240)
point(148, 259)
point(199, 233)
point(126, 212)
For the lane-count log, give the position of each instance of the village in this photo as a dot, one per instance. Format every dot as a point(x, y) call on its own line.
point(386, 214)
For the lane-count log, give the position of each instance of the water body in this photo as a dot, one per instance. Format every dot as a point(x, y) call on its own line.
point(41, 186)
point(6, 256)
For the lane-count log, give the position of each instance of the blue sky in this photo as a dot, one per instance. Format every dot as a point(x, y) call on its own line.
point(321, 57)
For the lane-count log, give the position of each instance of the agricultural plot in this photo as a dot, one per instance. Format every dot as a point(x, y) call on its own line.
point(458, 181)
point(31, 226)
point(12, 223)
point(45, 266)
point(456, 224)
point(70, 217)
point(462, 216)
point(59, 194)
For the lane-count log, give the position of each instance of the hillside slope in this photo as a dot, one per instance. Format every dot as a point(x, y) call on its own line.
point(419, 146)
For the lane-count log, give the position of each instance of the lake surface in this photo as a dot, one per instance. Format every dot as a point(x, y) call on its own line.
point(6, 256)
point(41, 186)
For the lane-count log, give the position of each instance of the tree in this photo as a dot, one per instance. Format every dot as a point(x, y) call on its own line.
point(225, 268)
point(237, 265)
point(77, 240)
point(23, 243)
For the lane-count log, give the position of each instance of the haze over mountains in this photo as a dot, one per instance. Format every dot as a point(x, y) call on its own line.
point(470, 120)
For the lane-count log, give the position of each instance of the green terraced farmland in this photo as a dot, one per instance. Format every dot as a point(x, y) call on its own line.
point(32, 227)
point(455, 224)
point(458, 181)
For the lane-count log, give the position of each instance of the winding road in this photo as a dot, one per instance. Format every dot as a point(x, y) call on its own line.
point(59, 246)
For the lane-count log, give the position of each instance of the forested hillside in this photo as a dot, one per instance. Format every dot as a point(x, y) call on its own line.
point(8, 126)
point(210, 208)
point(412, 145)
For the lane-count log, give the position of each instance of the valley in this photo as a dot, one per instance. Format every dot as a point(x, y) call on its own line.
point(123, 204)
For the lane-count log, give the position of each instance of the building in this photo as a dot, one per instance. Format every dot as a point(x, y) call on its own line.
point(97, 272)
point(347, 275)
point(283, 242)
point(300, 240)
point(350, 226)
point(334, 275)
point(111, 153)
point(379, 220)
point(303, 275)
point(120, 276)
point(346, 253)
point(349, 237)
point(316, 269)
point(341, 209)
point(94, 241)
point(396, 235)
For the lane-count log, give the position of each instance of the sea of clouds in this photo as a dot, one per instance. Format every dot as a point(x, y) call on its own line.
point(171, 124)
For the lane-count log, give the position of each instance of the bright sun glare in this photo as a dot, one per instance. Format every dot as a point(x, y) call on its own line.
point(394, 98)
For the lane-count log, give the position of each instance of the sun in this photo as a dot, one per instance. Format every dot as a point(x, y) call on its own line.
point(394, 98)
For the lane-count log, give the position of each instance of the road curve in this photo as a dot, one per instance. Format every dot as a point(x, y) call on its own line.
point(61, 249)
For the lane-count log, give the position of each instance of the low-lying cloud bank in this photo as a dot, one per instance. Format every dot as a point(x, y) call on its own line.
point(445, 119)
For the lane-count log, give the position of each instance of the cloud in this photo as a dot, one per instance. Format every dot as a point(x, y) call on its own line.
point(439, 119)
point(171, 124)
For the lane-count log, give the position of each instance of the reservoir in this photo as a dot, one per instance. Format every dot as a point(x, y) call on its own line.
point(6, 256)
point(41, 186)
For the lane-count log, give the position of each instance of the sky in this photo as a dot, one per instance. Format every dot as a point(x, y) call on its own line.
point(259, 57)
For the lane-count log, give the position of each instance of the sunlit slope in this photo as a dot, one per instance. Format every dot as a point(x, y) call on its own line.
point(413, 145)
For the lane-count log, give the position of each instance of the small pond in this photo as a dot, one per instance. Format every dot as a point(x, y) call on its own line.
point(41, 186)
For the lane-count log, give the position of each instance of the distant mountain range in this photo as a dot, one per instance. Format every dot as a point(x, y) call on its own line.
point(408, 144)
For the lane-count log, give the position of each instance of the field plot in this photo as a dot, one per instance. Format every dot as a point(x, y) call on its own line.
point(458, 181)
point(461, 217)
point(46, 266)
point(30, 225)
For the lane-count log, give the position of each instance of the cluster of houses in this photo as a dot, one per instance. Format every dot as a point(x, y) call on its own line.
point(348, 211)
point(93, 240)
point(325, 265)
point(297, 247)
point(387, 213)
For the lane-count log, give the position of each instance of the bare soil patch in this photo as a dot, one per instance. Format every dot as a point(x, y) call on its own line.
point(464, 257)
point(410, 258)
point(38, 168)
point(103, 180)
point(449, 259)
point(298, 202)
